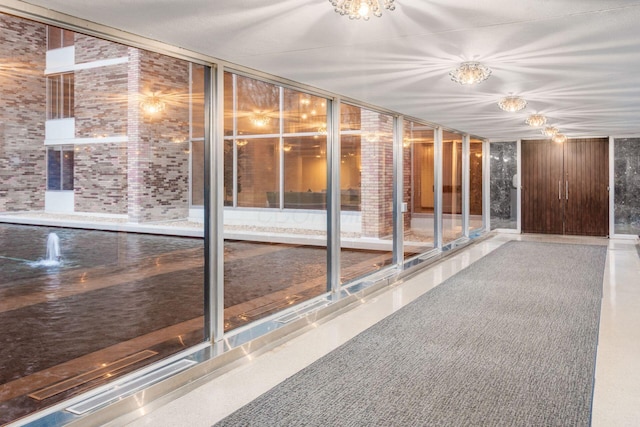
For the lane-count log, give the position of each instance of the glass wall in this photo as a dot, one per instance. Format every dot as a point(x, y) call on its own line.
point(451, 186)
point(115, 140)
point(366, 191)
point(503, 185)
point(418, 157)
point(103, 144)
point(275, 172)
point(627, 186)
point(475, 184)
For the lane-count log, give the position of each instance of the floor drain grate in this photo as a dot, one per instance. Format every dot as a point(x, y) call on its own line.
point(105, 370)
point(137, 384)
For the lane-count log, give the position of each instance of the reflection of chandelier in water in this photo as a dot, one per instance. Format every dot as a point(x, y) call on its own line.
point(152, 105)
point(356, 9)
point(260, 120)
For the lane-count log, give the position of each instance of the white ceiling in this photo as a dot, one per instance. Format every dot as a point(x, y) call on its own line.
point(576, 61)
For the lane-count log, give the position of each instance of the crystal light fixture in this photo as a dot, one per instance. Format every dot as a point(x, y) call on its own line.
point(559, 138)
point(536, 120)
point(549, 131)
point(357, 9)
point(469, 73)
point(152, 105)
point(512, 103)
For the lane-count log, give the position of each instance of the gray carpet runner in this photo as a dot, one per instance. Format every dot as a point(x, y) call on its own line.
point(508, 341)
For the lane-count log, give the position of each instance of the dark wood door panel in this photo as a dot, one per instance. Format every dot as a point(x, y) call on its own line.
point(586, 186)
point(565, 187)
point(542, 206)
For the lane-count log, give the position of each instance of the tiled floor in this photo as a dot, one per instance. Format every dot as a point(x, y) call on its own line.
point(617, 386)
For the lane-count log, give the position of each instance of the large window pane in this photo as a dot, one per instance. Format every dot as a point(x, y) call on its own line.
point(419, 190)
point(275, 191)
point(67, 169)
point(627, 185)
point(305, 173)
point(54, 169)
point(105, 302)
point(304, 112)
point(504, 200)
point(258, 172)
point(366, 180)
point(257, 107)
point(451, 186)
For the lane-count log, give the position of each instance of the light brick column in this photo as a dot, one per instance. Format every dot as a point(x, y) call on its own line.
point(377, 174)
point(23, 112)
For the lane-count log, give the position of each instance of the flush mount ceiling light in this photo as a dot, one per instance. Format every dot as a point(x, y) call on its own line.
point(536, 120)
point(469, 73)
point(559, 138)
point(512, 103)
point(362, 9)
point(549, 131)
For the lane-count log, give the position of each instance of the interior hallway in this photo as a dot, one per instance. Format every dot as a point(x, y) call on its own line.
point(617, 384)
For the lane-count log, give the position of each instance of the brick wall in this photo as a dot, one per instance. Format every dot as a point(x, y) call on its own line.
point(100, 178)
point(22, 115)
point(377, 174)
point(158, 158)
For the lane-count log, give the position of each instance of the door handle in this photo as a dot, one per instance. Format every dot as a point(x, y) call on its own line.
point(566, 190)
point(559, 190)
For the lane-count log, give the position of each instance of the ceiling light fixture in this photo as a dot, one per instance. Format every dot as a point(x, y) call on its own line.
point(362, 9)
point(469, 73)
point(512, 103)
point(536, 120)
point(559, 138)
point(549, 131)
point(241, 142)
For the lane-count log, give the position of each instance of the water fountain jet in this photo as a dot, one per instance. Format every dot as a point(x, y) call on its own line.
point(53, 255)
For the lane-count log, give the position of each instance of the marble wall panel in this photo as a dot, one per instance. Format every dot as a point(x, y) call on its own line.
point(503, 203)
point(627, 185)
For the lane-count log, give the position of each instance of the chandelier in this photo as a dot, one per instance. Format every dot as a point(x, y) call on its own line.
point(536, 120)
point(152, 105)
point(512, 103)
point(559, 138)
point(357, 9)
point(469, 73)
point(549, 131)
point(241, 142)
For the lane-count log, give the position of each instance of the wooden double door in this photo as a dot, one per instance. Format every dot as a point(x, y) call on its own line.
point(565, 187)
